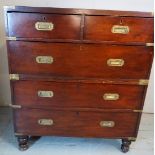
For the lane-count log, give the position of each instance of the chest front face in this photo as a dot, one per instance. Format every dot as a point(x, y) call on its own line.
point(80, 73)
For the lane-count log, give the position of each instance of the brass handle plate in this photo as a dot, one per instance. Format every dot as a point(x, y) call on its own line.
point(115, 62)
point(120, 29)
point(45, 122)
point(44, 26)
point(107, 124)
point(42, 93)
point(44, 59)
point(111, 96)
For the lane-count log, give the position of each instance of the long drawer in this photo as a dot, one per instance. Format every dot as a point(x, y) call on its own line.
point(80, 60)
point(83, 124)
point(46, 26)
point(78, 95)
point(119, 29)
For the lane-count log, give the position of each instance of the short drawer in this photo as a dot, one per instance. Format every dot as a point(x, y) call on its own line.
point(39, 94)
point(119, 29)
point(46, 26)
point(69, 123)
point(80, 60)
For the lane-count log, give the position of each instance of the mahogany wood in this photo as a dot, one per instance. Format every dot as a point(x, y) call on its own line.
point(75, 123)
point(47, 77)
point(81, 41)
point(78, 11)
point(80, 60)
point(80, 44)
point(23, 25)
point(99, 28)
point(77, 95)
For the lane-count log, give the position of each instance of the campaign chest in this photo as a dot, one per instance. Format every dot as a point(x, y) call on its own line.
point(78, 73)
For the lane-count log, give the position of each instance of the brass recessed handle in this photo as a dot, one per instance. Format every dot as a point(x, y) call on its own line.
point(45, 122)
point(42, 93)
point(115, 62)
point(44, 59)
point(111, 96)
point(107, 124)
point(120, 29)
point(44, 26)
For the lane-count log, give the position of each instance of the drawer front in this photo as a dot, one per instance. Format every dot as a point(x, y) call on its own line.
point(119, 29)
point(48, 26)
point(66, 94)
point(80, 60)
point(84, 124)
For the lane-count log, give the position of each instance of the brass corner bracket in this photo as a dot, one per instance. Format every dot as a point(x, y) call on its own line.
point(149, 44)
point(12, 7)
point(143, 82)
point(18, 134)
point(14, 76)
point(11, 38)
point(132, 138)
point(140, 111)
point(15, 106)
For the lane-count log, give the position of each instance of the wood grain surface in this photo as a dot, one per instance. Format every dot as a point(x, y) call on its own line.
point(77, 95)
point(83, 124)
point(23, 25)
point(80, 60)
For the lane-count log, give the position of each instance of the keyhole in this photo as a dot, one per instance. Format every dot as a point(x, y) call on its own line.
point(80, 48)
point(77, 113)
point(121, 21)
point(44, 18)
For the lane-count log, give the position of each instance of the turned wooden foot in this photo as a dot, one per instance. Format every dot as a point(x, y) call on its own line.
point(125, 145)
point(23, 142)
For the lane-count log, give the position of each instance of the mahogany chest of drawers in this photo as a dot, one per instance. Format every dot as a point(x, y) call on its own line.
point(80, 73)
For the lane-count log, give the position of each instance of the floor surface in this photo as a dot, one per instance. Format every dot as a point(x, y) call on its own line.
point(74, 146)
